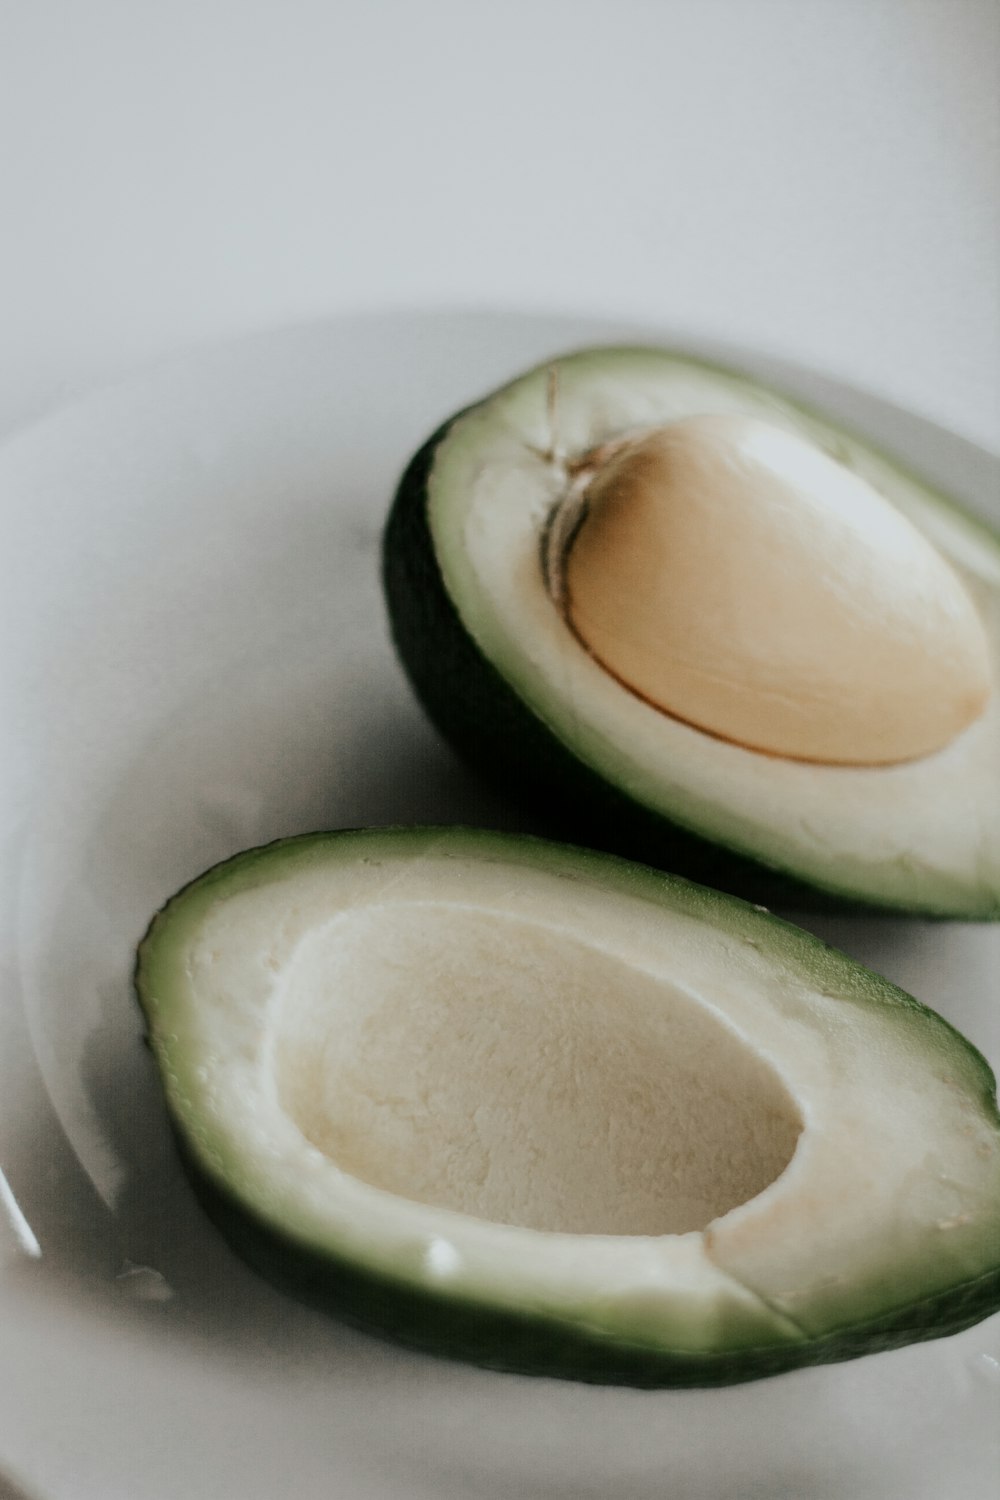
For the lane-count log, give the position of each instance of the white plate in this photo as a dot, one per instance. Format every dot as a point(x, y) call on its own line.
point(197, 660)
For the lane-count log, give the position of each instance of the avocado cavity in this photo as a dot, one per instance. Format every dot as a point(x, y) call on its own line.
point(500, 1067)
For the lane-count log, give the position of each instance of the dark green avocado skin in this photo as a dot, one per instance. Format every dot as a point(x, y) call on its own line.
point(495, 732)
point(521, 1344)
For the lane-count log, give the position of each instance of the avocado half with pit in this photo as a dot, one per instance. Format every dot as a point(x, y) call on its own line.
point(553, 1112)
point(687, 620)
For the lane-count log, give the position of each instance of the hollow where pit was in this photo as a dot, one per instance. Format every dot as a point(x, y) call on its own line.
point(509, 1070)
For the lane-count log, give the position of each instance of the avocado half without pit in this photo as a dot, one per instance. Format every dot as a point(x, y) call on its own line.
point(553, 1112)
point(694, 623)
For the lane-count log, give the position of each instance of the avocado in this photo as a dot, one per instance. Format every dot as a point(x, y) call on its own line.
point(778, 677)
point(550, 1111)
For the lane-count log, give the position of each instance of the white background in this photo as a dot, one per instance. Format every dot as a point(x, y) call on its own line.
point(813, 178)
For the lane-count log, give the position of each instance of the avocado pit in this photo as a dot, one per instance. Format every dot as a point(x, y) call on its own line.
point(742, 580)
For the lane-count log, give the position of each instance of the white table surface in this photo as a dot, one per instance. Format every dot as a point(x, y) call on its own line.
point(813, 178)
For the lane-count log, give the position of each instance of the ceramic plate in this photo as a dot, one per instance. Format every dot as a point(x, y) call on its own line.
point(195, 659)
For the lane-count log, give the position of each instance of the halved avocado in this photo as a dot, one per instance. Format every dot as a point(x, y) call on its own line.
point(472, 552)
point(549, 1111)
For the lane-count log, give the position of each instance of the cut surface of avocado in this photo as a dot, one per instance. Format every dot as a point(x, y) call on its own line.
point(550, 1111)
point(818, 727)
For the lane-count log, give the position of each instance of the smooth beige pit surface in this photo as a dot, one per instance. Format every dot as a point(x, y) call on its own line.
point(739, 578)
point(512, 1072)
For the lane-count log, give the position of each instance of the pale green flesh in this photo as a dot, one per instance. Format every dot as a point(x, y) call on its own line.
point(924, 835)
point(312, 1008)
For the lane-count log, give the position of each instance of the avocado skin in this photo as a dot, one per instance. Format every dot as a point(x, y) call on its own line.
point(497, 1339)
point(498, 736)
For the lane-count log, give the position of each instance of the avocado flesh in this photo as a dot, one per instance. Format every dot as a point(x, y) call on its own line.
point(504, 677)
point(549, 1111)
